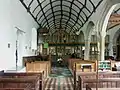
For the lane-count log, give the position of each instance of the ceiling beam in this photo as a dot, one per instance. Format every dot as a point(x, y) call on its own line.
point(79, 15)
point(63, 19)
point(30, 3)
point(69, 13)
point(43, 12)
point(92, 12)
point(52, 12)
point(43, 23)
point(61, 14)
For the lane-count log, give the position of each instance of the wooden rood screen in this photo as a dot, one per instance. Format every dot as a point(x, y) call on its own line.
point(21, 81)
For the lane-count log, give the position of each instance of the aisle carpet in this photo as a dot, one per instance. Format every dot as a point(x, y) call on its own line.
point(59, 79)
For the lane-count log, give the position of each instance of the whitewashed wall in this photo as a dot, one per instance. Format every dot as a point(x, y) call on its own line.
point(13, 14)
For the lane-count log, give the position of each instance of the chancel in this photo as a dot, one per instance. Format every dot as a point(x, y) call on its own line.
point(60, 45)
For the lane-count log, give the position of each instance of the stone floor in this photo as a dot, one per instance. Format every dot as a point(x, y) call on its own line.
point(59, 83)
point(60, 79)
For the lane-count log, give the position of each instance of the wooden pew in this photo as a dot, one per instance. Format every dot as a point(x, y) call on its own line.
point(24, 83)
point(104, 77)
point(92, 75)
point(79, 83)
point(82, 65)
point(74, 77)
point(88, 87)
point(27, 59)
point(71, 63)
point(39, 66)
point(79, 87)
point(103, 83)
point(21, 81)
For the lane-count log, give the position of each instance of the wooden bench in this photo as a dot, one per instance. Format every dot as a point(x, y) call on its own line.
point(102, 83)
point(98, 83)
point(88, 87)
point(21, 81)
point(39, 66)
point(79, 85)
point(110, 77)
point(82, 65)
point(36, 58)
point(93, 75)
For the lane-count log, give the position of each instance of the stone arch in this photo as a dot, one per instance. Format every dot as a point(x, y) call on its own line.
point(103, 22)
point(90, 28)
point(115, 37)
point(81, 37)
point(116, 45)
point(106, 19)
point(107, 11)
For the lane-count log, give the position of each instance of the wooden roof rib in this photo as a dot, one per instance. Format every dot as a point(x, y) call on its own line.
point(70, 15)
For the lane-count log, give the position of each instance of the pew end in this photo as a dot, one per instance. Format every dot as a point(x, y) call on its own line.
point(21, 81)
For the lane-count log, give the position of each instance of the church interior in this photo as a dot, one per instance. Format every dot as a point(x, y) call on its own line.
point(60, 45)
